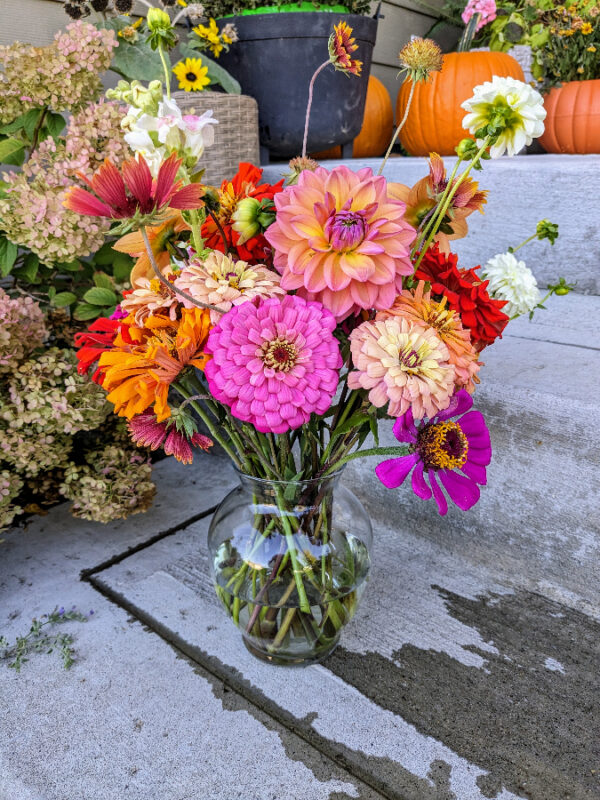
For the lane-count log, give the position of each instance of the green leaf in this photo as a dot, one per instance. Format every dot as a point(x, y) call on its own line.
point(85, 311)
point(103, 280)
point(98, 296)
point(133, 60)
point(8, 255)
point(10, 149)
point(122, 268)
point(30, 267)
point(25, 122)
point(70, 266)
point(54, 124)
point(63, 299)
point(357, 420)
point(105, 255)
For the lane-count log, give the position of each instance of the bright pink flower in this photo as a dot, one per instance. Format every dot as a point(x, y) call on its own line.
point(275, 362)
point(341, 239)
point(487, 9)
point(120, 196)
point(146, 431)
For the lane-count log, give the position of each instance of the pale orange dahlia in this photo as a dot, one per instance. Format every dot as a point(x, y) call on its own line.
point(418, 307)
point(341, 239)
point(404, 364)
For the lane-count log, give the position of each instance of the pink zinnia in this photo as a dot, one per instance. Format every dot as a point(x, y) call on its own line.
point(275, 362)
point(339, 238)
point(146, 431)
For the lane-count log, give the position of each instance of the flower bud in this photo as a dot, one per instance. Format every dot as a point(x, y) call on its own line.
point(158, 20)
point(245, 218)
point(466, 149)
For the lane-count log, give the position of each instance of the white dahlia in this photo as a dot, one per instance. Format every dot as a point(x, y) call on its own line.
point(513, 281)
point(515, 105)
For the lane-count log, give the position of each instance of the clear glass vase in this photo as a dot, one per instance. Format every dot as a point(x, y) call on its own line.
point(290, 561)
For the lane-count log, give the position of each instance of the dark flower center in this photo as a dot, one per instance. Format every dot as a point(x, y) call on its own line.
point(443, 445)
point(279, 354)
point(191, 77)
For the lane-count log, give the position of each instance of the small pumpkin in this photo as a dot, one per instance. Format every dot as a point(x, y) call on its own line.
point(377, 128)
point(434, 123)
point(573, 118)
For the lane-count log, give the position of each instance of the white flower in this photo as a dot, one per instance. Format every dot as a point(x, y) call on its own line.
point(512, 103)
point(513, 281)
point(156, 137)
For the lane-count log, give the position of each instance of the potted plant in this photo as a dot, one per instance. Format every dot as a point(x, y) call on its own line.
point(294, 37)
point(434, 120)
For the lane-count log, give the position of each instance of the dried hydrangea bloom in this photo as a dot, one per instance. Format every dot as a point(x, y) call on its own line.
point(404, 364)
point(113, 484)
point(417, 306)
point(220, 281)
point(22, 329)
point(10, 486)
point(65, 75)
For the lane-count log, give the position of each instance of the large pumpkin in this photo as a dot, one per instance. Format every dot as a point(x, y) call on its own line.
point(377, 128)
point(434, 123)
point(573, 118)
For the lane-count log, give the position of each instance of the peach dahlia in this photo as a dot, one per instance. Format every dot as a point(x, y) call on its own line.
point(340, 239)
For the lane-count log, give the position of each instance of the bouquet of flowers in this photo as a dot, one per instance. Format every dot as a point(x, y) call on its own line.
point(284, 322)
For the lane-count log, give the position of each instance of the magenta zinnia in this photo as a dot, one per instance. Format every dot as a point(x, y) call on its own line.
point(121, 195)
point(440, 447)
point(339, 238)
point(274, 362)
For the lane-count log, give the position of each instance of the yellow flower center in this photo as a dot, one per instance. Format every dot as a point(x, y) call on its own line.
point(279, 354)
point(443, 445)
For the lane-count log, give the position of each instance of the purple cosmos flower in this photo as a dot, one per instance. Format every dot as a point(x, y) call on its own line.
point(439, 447)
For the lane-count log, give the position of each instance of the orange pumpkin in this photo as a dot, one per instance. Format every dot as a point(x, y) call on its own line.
point(434, 123)
point(378, 125)
point(573, 118)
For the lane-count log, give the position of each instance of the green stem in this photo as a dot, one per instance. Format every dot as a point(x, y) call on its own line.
point(291, 544)
point(166, 70)
point(423, 233)
point(519, 246)
point(399, 128)
point(374, 451)
point(446, 204)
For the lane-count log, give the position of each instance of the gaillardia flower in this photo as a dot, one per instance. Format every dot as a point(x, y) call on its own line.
point(146, 431)
point(419, 307)
point(514, 111)
point(192, 75)
point(341, 46)
point(274, 362)
point(424, 197)
point(456, 451)
point(401, 363)
point(122, 196)
point(220, 281)
point(339, 238)
point(513, 281)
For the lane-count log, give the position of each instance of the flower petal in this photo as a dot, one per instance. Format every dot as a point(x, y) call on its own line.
point(462, 490)
point(419, 484)
point(438, 495)
point(393, 472)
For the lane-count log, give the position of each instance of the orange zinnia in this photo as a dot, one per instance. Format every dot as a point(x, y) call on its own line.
point(425, 195)
point(160, 236)
point(138, 375)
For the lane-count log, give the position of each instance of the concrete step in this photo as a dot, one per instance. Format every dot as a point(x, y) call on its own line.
point(538, 520)
point(523, 190)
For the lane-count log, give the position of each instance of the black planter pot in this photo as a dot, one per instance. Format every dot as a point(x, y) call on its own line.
point(274, 60)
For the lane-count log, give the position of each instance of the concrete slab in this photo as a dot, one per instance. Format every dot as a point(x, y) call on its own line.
point(449, 684)
point(522, 190)
point(133, 718)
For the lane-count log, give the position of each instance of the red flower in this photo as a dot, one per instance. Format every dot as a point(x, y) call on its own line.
point(244, 184)
point(121, 196)
point(98, 338)
point(146, 431)
point(467, 294)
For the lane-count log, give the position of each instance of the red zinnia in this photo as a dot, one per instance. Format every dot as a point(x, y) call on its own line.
point(467, 294)
point(146, 431)
point(120, 196)
point(244, 184)
point(98, 338)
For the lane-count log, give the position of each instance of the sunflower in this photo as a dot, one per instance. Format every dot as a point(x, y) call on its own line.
point(210, 34)
point(192, 76)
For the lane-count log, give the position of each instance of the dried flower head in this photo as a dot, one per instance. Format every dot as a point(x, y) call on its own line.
point(297, 166)
point(419, 58)
point(22, 329)
point(341, 46)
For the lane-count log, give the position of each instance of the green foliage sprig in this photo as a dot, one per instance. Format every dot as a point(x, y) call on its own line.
point(39, 640)
point(223, 8)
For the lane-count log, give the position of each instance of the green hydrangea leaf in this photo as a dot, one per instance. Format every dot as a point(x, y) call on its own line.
point(103, 280)
point(134, 61)
point(12, 151)
point(64, 299)
point(99, 296)
point(8, 255)
point(85, 311)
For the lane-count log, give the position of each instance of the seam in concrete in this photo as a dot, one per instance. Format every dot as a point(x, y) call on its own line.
point(550, 341)
point(331, 750)
point(86, 574)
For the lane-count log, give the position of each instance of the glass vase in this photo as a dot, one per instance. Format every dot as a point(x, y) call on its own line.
point(290, 562)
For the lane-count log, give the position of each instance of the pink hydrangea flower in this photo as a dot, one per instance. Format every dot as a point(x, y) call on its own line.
point(275, 362)
point(341, 239)
point(487, 9)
